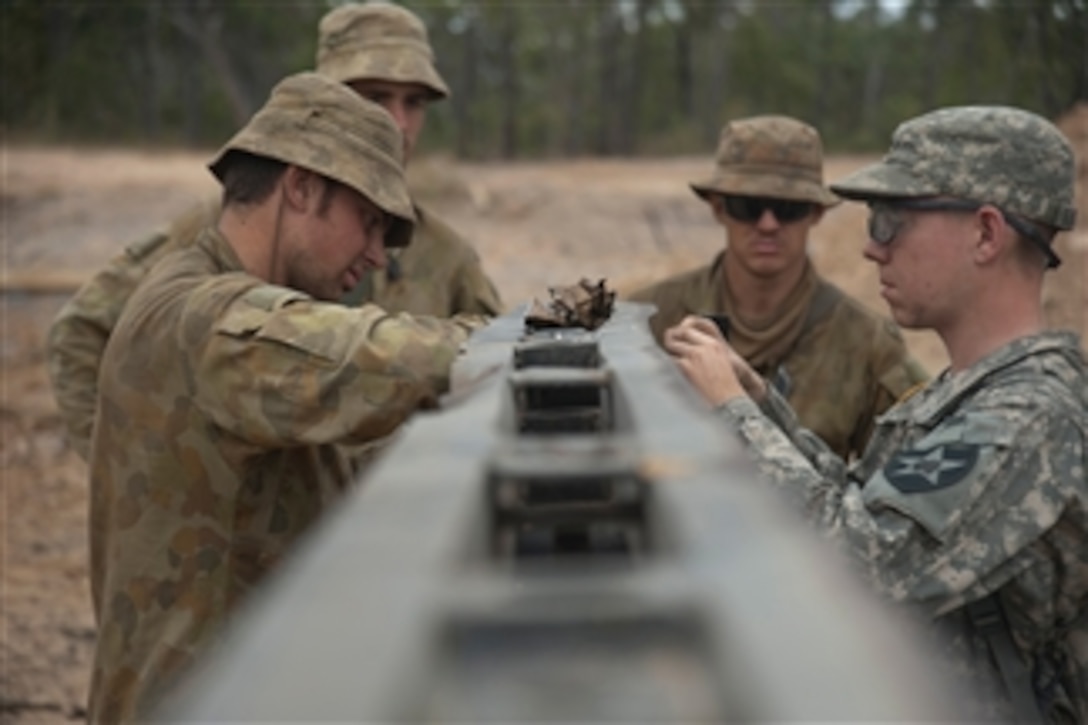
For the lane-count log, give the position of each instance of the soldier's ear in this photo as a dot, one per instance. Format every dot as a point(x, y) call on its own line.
point(301, 188)
point(989, 242)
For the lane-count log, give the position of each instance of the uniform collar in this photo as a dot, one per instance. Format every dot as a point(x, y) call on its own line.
point(946, 390)
point(218, 248)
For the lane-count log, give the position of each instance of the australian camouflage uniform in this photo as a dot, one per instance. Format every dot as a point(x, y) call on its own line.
point(838, 364)
point(225, 404)
point(439, 274)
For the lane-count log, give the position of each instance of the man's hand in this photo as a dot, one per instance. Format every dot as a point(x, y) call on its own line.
point(710, 364)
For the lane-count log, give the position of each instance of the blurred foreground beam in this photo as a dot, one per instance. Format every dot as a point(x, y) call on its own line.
point(576, 538)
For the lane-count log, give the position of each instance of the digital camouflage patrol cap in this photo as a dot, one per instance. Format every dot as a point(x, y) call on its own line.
point(1008, 157)
point(380, 41)
point(315, 123)
point(769, 156)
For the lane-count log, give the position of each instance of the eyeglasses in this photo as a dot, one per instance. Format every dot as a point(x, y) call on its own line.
point(886, 221)
point(751, 208)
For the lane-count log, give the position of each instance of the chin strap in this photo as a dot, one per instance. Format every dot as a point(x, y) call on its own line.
point(276, 233)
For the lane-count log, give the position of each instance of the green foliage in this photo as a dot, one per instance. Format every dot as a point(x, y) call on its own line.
point(543, 78)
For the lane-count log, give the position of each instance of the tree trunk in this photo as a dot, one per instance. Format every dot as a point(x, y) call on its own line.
point(608, 48)
point(685, 95)
point(201, 21)
point(717, 72)
point(510, 84)
point(466, 127)
point(822, 59)
point(574, 75)
point(153, 63)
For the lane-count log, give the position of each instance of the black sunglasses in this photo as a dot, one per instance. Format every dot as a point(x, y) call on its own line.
point(885, 222)
point(751, 208)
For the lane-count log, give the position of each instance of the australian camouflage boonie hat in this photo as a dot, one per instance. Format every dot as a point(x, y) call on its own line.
point(318, 124)
point(379, 41)
point(770, 156)
point(1008, 157)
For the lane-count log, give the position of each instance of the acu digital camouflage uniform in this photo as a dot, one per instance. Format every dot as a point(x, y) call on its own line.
point(438, 274)
point(977, 484)
point(223, 399)
point(839, 364)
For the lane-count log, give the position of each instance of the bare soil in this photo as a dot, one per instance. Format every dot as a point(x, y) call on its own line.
point(65, 212)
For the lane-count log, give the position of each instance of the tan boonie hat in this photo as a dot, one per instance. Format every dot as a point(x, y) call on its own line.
point(313, 122)
point(378, 41)
point(769, 156)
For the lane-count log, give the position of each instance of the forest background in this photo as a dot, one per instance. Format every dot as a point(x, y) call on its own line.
point(536, 79)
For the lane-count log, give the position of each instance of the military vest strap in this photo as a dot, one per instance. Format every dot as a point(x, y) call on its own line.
point(138, 251)
point(987, 617)
point(823, 301)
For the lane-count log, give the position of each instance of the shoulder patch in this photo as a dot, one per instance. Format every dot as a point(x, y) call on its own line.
point(270, 297)
point(138, 251)
point(926, 470)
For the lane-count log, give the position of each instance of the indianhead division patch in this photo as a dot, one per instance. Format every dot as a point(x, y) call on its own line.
point(931, 469)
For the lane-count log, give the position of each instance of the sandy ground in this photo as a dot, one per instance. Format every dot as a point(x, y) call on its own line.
point(535, 224)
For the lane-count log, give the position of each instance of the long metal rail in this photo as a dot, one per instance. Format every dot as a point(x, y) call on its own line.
point(573, 538)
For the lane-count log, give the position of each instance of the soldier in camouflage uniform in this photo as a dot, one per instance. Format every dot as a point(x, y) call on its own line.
point(970, 504)
point(837, 363)
point(234, 375)
point(382, 52)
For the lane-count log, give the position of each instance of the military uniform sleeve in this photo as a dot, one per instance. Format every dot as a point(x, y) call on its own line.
point(788, 455)
point(78, 335)
point(950, 518)
point(279, 369)
point(946, 520)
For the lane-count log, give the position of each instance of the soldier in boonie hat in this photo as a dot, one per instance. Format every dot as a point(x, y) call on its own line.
point(383, 53)
point(239, 392)
point(377, 40)
point(767, 192)
point(1012, 159)
point(769, 156)
point(315, 123)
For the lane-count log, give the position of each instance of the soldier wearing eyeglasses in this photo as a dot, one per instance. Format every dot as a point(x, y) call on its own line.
point(970, 504)
point(839, 364)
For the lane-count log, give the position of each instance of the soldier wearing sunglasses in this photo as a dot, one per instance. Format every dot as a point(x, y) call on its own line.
point(839, 364)
point(970, 505)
